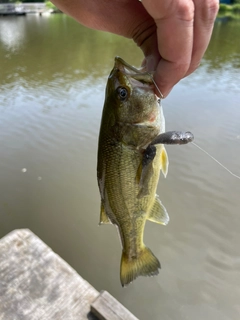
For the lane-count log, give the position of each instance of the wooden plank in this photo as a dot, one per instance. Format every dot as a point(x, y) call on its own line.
point(36, 284)
point(105, 307)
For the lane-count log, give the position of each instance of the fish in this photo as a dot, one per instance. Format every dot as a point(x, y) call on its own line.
point(131, 154)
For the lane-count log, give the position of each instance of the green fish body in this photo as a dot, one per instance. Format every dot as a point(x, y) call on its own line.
point(128, 169)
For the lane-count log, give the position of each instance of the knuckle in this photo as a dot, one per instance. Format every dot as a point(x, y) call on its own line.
point(185, 10)
point(213, 6)
point(209, 9)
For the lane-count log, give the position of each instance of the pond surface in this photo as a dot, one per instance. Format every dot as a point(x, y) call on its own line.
point(52, 81)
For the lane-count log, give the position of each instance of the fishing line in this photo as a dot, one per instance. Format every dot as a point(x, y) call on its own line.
point(214, 159)
point(208, 154)
point(161, 95)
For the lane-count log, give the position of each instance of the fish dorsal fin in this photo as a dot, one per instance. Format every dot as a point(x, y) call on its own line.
point(158, 213)
point(103, 216)
point(164, 161)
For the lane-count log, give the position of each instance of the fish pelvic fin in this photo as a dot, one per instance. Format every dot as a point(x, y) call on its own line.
point(164, 162)
point(158, 213)
point(146, 264)
point(103, 216)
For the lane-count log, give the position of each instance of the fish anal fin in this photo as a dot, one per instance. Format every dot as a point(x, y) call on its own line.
point(103, 216)
point(145, 264)
point(164, 162)
point(158, 213)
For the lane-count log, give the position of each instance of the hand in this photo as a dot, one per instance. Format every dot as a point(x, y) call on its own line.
point(173, 34)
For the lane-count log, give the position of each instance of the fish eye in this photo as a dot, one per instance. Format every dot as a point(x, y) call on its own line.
point(122, 93)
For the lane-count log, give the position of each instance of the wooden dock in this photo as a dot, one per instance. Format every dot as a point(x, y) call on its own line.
point(35, 283)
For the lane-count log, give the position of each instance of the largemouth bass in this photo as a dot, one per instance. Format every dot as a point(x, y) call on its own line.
point(131, 155)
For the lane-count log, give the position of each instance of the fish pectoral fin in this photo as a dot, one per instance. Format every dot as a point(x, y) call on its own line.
point(164, 162)
point(158, 213)
point(145, 170)
point(103, 216)
point(139, 173)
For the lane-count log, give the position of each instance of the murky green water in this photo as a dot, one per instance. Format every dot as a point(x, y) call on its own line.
point(52, 80)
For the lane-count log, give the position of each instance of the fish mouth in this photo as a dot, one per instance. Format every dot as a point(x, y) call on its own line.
point(130, 71)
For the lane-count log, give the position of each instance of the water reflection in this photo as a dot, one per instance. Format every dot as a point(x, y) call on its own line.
point(224, 49)
point(52, 84)
point(12, 34)
point(66, 58)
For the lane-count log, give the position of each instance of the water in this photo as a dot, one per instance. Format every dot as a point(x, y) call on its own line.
point(52, 80)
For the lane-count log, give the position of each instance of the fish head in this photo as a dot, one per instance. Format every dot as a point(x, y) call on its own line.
point(131, 101)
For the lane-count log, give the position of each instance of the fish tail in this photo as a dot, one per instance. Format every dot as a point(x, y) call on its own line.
point(146, 264)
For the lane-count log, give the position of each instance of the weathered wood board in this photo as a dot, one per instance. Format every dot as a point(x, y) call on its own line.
point(35, 283)
point(105, 307)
